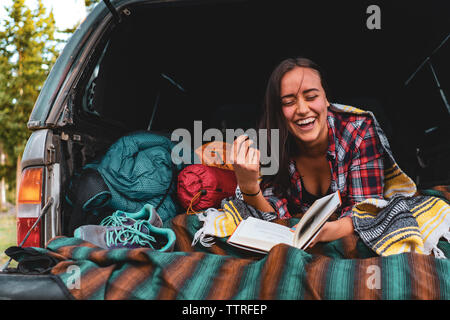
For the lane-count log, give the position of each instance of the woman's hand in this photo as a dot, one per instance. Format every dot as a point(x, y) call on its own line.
point(245, 160)
point(334, 230)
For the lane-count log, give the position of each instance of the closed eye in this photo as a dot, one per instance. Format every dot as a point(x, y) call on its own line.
point(311, 98)
point(288, 102)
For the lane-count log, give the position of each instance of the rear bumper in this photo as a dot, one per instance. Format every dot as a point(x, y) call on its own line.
point(15, 286)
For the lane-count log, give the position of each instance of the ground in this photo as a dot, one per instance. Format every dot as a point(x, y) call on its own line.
point(7, 232)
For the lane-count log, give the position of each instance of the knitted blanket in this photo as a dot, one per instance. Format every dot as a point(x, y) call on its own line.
point(405, 224)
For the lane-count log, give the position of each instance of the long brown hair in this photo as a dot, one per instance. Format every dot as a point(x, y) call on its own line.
point(273, 118)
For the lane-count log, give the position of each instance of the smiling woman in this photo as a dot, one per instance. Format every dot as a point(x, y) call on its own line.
point(322, 150)
point(304, 106)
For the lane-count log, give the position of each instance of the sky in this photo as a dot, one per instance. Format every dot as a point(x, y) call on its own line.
point(67, 12)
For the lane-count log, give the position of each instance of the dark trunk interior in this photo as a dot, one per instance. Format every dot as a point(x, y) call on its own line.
point(222, 55)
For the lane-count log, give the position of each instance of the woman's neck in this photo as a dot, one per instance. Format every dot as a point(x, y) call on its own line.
point(315, 149)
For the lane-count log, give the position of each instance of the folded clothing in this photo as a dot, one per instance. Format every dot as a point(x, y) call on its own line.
point(30, 260)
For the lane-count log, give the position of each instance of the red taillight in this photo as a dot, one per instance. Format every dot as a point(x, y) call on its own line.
point(29, 206)
point(23, 226)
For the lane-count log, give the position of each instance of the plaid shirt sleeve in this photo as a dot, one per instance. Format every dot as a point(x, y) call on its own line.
point(366, 177)
point(280, 205)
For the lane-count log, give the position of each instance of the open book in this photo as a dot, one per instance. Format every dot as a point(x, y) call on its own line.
point(260, 236)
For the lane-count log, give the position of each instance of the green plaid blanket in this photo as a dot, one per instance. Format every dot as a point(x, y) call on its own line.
point(343, 269)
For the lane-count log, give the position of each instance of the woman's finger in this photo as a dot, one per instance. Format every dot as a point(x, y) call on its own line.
point(253, 156)
point(250, 156)
point(242, 154)
point(244, 145)
point(258, 156)
point(235, 148)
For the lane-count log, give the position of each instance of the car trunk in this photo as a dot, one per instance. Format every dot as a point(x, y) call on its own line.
point(166, 65)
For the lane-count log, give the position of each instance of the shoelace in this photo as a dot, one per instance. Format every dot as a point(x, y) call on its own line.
point(115, 220)
point(130, 234)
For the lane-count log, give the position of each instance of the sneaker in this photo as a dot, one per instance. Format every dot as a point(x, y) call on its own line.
point(138, 235)
point(120, 218)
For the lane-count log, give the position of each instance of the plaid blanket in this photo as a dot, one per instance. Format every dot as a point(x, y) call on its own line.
point(342, 269)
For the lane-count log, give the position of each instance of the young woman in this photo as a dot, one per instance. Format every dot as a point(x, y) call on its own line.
point(321, 150)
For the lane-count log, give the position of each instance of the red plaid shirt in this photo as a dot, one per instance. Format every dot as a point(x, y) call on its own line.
point(355, 156)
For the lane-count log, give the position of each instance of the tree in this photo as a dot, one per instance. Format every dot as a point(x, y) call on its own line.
point(27, 53)
point(90, 4)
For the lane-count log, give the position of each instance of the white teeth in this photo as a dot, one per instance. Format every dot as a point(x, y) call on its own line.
point(306, 121)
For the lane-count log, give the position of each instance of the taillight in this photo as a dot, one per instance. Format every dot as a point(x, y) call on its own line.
point(29, 201)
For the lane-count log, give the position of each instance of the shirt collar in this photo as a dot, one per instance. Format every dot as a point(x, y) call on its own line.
point(331, 152)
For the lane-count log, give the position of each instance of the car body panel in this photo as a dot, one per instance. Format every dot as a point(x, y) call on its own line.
point(15, 286)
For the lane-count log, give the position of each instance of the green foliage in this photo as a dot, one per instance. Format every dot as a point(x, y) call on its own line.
point(27, 53)
point(8, 236)
point(90, 4)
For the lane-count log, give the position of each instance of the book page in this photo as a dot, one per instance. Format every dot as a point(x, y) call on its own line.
point(315, 218)
point(261, 234)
